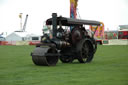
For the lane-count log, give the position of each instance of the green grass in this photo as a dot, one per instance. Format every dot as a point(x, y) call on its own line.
point(109, 67)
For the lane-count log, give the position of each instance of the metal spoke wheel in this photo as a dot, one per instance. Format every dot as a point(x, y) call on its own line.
point(66, 59)
point(86, 51)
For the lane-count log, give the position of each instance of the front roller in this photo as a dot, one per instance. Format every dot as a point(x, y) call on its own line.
point(45, 56)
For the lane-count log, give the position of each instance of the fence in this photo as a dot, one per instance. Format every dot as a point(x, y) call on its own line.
point(118, 42)
point(110, 42)
point(19, 42)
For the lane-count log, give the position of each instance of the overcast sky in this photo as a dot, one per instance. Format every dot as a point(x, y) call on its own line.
point(111, 12)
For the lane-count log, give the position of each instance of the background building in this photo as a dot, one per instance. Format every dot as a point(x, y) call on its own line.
point(123, 32)
point(22, 36)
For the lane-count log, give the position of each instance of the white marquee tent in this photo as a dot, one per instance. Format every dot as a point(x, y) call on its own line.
point(22, 36)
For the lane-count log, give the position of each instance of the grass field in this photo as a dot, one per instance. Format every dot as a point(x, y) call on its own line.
point(109, 67)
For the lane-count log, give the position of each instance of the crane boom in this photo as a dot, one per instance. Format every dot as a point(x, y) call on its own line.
point(24, 27)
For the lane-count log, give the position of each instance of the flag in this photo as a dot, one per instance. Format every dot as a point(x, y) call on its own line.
point(73, 7)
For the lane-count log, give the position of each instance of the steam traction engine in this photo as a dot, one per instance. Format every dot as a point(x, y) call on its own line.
point(64, 45)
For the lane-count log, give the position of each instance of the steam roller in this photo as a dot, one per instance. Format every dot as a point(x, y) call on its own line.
point(59, 41)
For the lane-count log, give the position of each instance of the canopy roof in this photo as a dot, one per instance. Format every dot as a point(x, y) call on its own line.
point(72, 22)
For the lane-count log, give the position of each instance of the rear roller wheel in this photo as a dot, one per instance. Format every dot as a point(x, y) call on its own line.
point(44, 56)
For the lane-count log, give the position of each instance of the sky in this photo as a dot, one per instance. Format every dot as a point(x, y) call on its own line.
point(111, 12)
